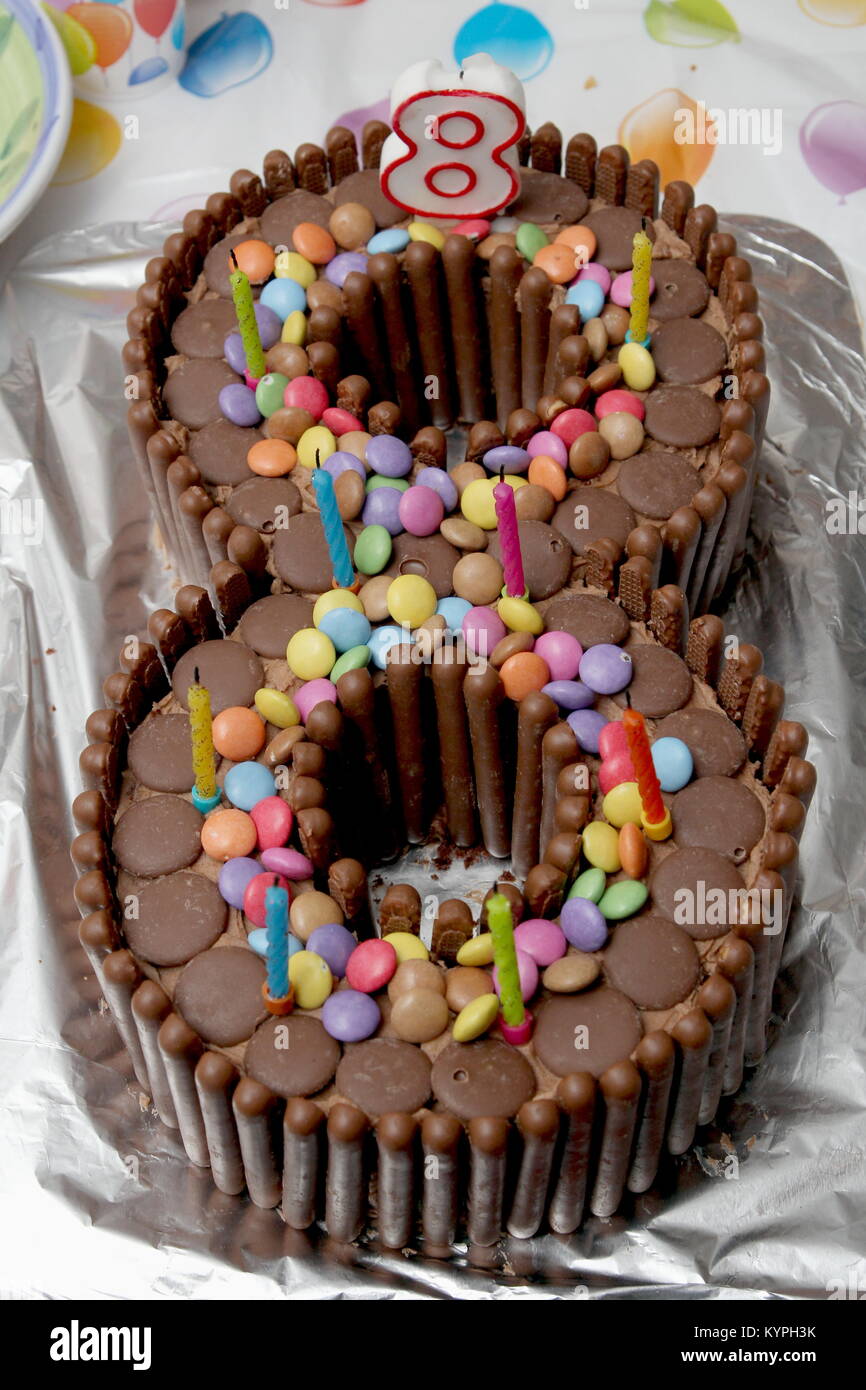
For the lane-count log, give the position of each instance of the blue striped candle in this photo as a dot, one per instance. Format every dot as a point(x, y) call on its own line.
point(332, 522)
point(277, 927)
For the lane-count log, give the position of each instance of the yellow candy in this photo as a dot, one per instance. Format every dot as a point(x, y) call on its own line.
point(335, 598)
point(295, 328)
point(476, 1018)
point(277, 707)
point(425, 231)
point(477, 502)
point(638, 368)
point(411, 600)
point(601, 846)
point(622, 804)
point(310, 978)
point(478, 950)
point(310, 654)
point(520, 616)
point(290, 266)
point(317, 437)
point(407, 946)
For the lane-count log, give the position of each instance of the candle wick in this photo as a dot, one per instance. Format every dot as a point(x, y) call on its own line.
point(502, 473)
point(234, 260)
point(195, 675)
point(318, 465)
point(460, 75)
point(628, 699)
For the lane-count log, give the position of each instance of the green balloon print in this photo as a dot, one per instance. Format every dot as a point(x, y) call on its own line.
point(690, 23)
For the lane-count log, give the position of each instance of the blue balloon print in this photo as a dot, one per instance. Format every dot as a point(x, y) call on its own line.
point(178, 30)
point(232, 51)
point(147, 70)
point(513, 36)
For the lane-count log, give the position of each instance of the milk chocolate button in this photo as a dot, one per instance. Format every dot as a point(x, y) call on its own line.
point(229, 670)
point(716, 745)
point(220, 994)
point(692, 887)
point(482, 1078)
point(280, 219)
point(662, 682)
point(687, 351)
point(614, 228)
point(589, 513)
point(432, 557)
point(589, 618)
point(586, 1032)
point(160, 753)
point(655, 483)
point(176, 918)
point(363, 187)
point(301, 553)
point(218, 266)
point(264, 503)
point(157, 835)
point(292, 1056)
point(268, 624)
point(546, 558)
point(384, 1076)
point(201, 330)
point(681, 290)
point(219, 452)
point(652, 961)
point(545, 198)
point(719, 814)
point(191, 391)
point(681, 416)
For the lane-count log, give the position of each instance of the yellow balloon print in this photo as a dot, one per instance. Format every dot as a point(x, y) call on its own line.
point(843, 14)
point(650, 131)
point(94, 139)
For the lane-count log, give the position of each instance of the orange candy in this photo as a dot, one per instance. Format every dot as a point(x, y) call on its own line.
point(272, 458)
point(545, 472)
point(238, 733)
point(228, 834)
point(557, 260)
point(632, 850)
point(582, 242)
point(523, 673)
point(256, 259)
point(315, 243)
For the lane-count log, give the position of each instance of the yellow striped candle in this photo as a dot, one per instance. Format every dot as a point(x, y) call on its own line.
point(203, 760)
point(641, 268)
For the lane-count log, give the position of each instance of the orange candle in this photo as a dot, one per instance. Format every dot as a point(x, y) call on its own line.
point(642, 762)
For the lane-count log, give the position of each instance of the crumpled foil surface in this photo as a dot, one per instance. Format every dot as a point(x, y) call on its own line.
point(98, 1199)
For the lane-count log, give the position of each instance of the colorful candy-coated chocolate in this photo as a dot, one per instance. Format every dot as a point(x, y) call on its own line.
point(247, 783)
point(382, 508)
point(233, 878)
point(542, 940)
point(257, 940)
point(478, 504)
point(373, 549)
point(379, 480)
point(522, 674)
point(355, 659)
point(583, 924)
point(439, 481)
point(311, 979)
point(382, 639)
point(371, 965)
point(590, 884)
point(475, 228)
point(425, 231)
point(421, 510)
point(238, 733)
point(570, 424)
point(315, 692)
point(476, 1018)
point(335, 944)
point(238, 404)
point(579, 238)
point(622, 804)
point(614, 770)
point(273, 819)
point(315, 446)
point(619, 402)
point(310, 653)
point(256, 259)
point(613, 739)
point(312, 909)
point(530, 239)
point(392, 239)
point(519, 615)
point(344, 263)
point(228, 834)
point(307, 393)
point(411, 600)
point(272, 458)
point(408, 946)
point(588, 296)
point(570, 695)
point(548, 444)
point(341, 422)
point(254, 896)
point(527, 970)
point(290, 265)
point(547, 473)
point(453, 610)
point(340, 463)
point(269, 392)
point(633, 852)
point(606, 668)
point(620, 290)
point(284, 297)
point(562, 652)
point(623, 900)
point(233, 352)
point(289, 862)
point(350, 1016)
point(673, 763)
point(345, 627)
point(586, 725)
point(482, 629)
point(638, 367)
point(294, 329)
point(597, 272)
point(277, 708)
point(314, 242)
point(600, 847)
point(269, 325)
point(335, 598)
point(507, 456)
point(478, 950)
point(557, 262)
point(389, 456)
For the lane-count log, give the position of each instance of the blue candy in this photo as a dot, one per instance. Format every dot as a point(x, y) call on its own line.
point(507, 456)
point(569, 694)
point(257, 940)
point(453, 610)
point(673, 763)
point(381, 641)
point(346, 628)
point(589, 298)
point(246, 784)
point(284, 297)
point(392, 239)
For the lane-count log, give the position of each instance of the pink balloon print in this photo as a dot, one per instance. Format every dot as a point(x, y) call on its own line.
point(154, 16)
point(833, 143)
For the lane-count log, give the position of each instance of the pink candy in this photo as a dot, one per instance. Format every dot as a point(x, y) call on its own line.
point(571, 424)
point(421, 510)
point(527, 970)
point(482, 629)
point(288, 862)
point(548, 444)
point(599, 273)
point(562, 652)
point(308, 393)
point(312, 693)
point(612, 739)
point(475, 228)
point(340, 421)
point(620, 290)
point(273, 820)
point(542, 940)
point(371, 965)
point(610, 402)
point(254, 896)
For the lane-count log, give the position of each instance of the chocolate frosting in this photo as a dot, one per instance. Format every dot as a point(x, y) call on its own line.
point(546, 198)
point(546, 558)
point(719, 814)
point(686, 869)
point(657, 482)
point(301, 556)
point(268, 624)
point(681, 290)
point(652, 961)
point(201, 329)
point(613, 1030)
point(607, 515)
point(682, 416)
point(615, 228)
point(384, 1075)
point(485, 1078)
point(219, 452)
point(687, 351)
point(178, 916)
point(160, 753)
point(157, 836)
point(716, 745)
point(231, 672)
point(220, 994)
point(432, 557)
point(191, 392)
point(363, 187)
point(279, 219)
point(256, 501)
point(589, 618)
point(661, 683)
point(292, 1056)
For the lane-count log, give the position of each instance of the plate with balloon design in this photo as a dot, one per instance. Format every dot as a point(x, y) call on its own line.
point(35, 108)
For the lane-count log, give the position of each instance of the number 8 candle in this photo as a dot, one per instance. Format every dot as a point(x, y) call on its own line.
point(245, 310)
point(205, 792)
point(655, 817)
point(338, 548)
point(515, 1023)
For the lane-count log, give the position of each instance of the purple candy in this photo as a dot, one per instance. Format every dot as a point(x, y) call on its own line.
point(605, 668)
point(234, 876)
point(389, 456)
point(270, 325)
point(342, 462)
point(343, 264)
point(233, 352)
point(382, 508)
point(594, 271)
point(438, 480)
point(587, 724)
point(550, 445)
point(506, 456)
point(570, 694)
point(350, 1016)
point(238, 404)
point(527, 969)
point(334, 944)
point(583, 924)
point(289, 862)
point(542, 940)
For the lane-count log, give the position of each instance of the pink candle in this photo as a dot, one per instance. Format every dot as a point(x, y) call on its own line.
point(509, 539)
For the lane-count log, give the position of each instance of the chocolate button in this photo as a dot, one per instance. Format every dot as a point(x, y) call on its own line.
point(615, 228)
point(264, 503)
point(160, 753)
point(687, 351)
point(269, 623)
point(219, 452)
point(589, 513)
point(485, 1078)
point(231, 672)
point(201, 330)
point(716, 745)
point(292, 1056)
point(301, 554)
point(681, 290)
point(280, 219)
point(546, 558)
point(218, 266)
point(179, 916)
point(682, 416)
point(220, 995)
point(719, 814)
point(589, 618)
point(661, 683)
point(652, 961)
point(546, 198)
point(655, 483)
point(191, 392)
point(384, 1076)
point(364, 187)
point(430, 556)
point(586, 1032)
point(157, 835)
point(681, 887)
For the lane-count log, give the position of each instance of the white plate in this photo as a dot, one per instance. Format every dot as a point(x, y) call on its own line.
point(35, 108)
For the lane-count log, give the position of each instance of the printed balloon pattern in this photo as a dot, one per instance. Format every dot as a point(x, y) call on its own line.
point(513, 36)
point(689, 23)
point(94, 139)
point(356, 120)
point(110, 28)
point(232, 51)
point(833, 143)
point(78, 42)
point(841, 14)
point(153, 16)
point(649, 132)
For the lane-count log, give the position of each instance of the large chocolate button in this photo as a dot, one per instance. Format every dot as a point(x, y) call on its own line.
point(384, 1076)
point(589, 513)
point(219, 452)
point(589, 618)
point(716, 745)
point(687, 351)
point(719, 814)
point(615, 228)
point(280, 219)
point(220, 994)
point(655, 483)
point(681, 290)
point(270, 623)
point(546, 198)
point(176, 918)
point(301, 553)
point(292, 1056)
point(662, 681)
point(432, 557)
point(363, 187)
point(264, 503)
point(229, 670)
point(157, 836)
point(191, 392)
point(586, 1032)
point(652, 961)
point(692, 887)
point(485, 1078)
point(681, 416)
point(160, 753)
point(201, 330)
point(546, 558)
point(218, 266)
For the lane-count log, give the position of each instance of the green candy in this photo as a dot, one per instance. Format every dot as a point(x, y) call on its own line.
point(269, 392)
point(623, 899)
point(530, 240)
point(590, 884)
point(355, 659)
point(373, 549)
point(377, 480)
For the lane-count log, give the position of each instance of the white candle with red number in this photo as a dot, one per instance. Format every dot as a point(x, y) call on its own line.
point(452, 152)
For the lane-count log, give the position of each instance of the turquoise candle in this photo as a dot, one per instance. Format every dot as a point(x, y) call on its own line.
point(332, 522)
point(277, 927)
